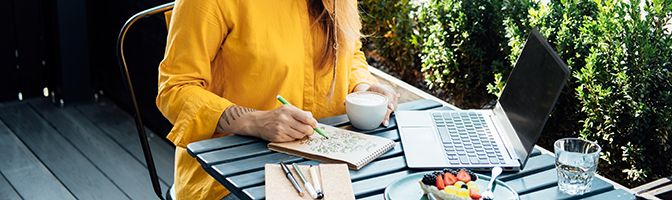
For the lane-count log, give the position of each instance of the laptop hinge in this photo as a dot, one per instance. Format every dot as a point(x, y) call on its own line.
point(508, 134)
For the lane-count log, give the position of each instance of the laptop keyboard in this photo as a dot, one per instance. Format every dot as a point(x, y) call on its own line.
point(467, 138)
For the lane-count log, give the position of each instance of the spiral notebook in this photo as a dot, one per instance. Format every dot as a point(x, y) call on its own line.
point(343, 146)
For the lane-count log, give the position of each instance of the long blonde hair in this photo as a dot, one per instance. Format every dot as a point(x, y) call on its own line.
point(340, 23)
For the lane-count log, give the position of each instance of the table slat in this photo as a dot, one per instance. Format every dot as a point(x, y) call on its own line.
point(231, 154)
point(218, 143)
point(255, 193)
point(374, 197)
point(534, 182)
point(252, 164)
point(534, 164)
point(389, 134)
point(376, 185)
point(599, 186)
point(377, 168)
point(614, 194)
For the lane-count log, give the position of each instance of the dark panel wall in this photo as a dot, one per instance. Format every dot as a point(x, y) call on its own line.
point(23, 49)
point(71, 50)
point(8, 71)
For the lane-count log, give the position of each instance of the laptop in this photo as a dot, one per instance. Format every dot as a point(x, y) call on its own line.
point(503, 136)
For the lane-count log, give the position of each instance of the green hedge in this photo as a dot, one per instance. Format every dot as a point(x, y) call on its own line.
point(390, 41)
point(620, 55)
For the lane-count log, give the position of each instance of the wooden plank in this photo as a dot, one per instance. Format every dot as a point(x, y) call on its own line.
point(614, 194)
point(120, 126)
point(534, 164)
point(599, 186)
point(74, 170)
point(662, 192)
point(28, 176)
point(653, 185)
point(120, 166)
point(6, 190)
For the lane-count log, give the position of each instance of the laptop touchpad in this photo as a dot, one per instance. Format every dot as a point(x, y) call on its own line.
point(422, 147)
point(413, 118)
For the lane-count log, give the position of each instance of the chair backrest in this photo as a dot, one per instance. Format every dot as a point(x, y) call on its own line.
point(124, 69)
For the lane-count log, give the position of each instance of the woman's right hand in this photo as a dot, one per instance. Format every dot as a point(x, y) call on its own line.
point(284, 124)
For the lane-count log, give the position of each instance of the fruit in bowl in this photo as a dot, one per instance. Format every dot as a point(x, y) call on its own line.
point(449, 184)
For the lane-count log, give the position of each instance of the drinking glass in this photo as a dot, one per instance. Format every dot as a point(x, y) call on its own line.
point(576, 162)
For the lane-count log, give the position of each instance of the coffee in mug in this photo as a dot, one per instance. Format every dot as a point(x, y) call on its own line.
point(366, 110)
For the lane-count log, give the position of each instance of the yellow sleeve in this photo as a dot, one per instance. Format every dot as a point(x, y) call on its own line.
point(195, 34)
point(359, 71)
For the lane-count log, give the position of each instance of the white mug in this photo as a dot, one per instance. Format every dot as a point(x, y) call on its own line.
point(366, 110)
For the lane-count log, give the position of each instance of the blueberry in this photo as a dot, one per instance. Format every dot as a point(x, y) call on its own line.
point(429, 179)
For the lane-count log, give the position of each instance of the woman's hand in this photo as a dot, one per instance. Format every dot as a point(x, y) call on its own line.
point(385, 90)
point(286, 123)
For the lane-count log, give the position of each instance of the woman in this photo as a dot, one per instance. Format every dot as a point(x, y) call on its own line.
point(226, 60)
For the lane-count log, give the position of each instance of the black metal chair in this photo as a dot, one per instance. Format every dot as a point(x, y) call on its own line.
point(170, 193)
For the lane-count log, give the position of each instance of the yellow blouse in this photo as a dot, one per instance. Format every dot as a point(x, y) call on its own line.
point(221, 53)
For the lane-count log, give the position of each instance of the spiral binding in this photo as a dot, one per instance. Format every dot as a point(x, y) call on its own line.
point(375, 154)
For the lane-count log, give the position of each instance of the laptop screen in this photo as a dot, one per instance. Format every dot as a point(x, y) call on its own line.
point(533, 88)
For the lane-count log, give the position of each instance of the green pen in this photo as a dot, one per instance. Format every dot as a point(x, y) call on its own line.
point(318, 130)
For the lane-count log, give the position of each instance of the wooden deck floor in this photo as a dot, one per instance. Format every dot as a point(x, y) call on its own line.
point(84, 151)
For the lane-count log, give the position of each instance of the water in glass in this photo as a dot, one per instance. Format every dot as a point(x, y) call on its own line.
point(576, 163)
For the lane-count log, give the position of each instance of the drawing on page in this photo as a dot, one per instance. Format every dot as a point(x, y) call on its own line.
point(340, 141)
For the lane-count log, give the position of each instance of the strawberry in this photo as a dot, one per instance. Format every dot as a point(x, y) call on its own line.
point(473, 193)
point(449, 178)
point(440, 183)
point(463, 176)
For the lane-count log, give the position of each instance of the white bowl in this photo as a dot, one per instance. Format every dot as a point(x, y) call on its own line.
point(366, 110)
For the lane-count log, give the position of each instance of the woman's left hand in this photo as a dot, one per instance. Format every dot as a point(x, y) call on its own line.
point(385, 90)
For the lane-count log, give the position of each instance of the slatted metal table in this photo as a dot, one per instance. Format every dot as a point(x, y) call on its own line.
point(238, 163)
